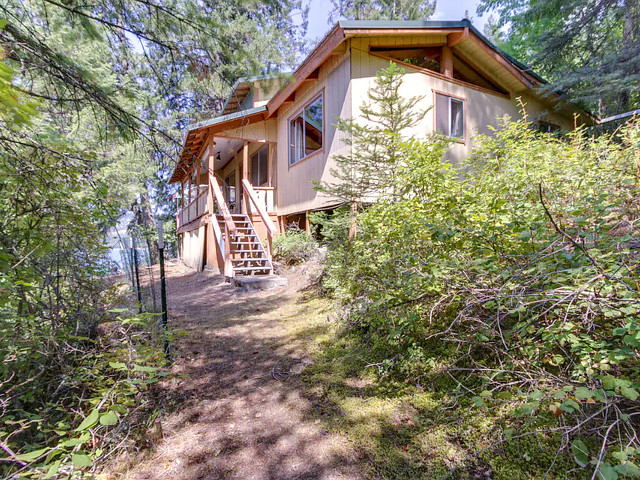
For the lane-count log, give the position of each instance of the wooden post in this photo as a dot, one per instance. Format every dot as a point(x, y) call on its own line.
point(211, 164)
point(198, 185)
point(446, 63)
point(245, 175)
point(353, 227)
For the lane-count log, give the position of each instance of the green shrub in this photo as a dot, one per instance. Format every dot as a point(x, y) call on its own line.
point(511, 283)
point(293, 247)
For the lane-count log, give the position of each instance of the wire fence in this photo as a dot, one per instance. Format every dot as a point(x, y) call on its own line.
point(140, 267)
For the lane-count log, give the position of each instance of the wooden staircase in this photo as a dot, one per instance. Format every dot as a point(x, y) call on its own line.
point(248, 256)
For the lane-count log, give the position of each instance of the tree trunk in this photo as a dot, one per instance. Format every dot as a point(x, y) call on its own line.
point(630, 37)
point(144, 218)
point(353, 217)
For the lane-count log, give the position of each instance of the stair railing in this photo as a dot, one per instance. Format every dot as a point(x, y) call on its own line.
point(216, 192)
point(264, 216)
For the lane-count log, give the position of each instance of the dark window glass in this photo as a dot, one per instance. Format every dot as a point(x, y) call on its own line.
point(545, 127)
point(457, 118)
point(449, 116)
point(305, 131)
point(260, 167)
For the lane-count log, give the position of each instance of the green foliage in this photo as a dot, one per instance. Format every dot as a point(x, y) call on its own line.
point(293, 246)
point(587, 49)
point(382, 9)
point(510, 283)
point(67, 397)
point(374, 140)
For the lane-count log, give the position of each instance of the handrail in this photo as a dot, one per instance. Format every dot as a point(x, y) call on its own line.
point(222, 205)
point(230, 225)
point(218, 234)
point(271, 228)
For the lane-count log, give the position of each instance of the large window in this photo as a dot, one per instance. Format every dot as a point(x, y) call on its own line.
point(450, 116)
point(305, 131)
point(260, 167)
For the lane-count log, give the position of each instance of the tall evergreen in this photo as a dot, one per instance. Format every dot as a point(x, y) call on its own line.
point(375, 142)
point(382, 9)
point(589, 50)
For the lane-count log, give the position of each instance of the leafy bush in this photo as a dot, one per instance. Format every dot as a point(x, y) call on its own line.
point(511, 283)
point(66, 391)
point(293, 246)
point(67, 399)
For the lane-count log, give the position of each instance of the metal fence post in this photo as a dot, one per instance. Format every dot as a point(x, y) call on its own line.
point(135, 264)
point(163, 292)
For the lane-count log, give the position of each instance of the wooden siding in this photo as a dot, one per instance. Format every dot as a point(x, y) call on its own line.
point(295, 191)
point(193, 247)
point(265, 131)
point(483, 109)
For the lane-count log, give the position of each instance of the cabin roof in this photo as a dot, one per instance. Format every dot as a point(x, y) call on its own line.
point(241, 90)
point(434, 24)
point(467, 37)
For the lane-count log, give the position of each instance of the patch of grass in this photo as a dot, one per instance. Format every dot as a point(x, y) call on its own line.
point(407, 432)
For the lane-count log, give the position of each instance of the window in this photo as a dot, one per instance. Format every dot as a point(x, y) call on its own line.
point(305, 131)
point(260, 167)
point(450, 116)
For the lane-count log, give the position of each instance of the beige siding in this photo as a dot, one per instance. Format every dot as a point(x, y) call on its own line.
point(482, 109)
point(344, 81)
point(193, 248)
point(295, 191)
point(265, 131)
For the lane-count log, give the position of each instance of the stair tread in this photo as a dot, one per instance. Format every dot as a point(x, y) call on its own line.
point(244, 269)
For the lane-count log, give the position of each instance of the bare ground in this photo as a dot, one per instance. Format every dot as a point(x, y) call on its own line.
point(240, 411)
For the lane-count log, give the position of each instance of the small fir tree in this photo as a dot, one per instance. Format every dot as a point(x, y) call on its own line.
point(375, 139)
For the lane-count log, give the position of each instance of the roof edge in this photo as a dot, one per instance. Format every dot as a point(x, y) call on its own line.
point(225, 118)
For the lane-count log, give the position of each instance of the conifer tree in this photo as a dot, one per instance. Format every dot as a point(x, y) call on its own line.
point(375, 139)
point(382, 9)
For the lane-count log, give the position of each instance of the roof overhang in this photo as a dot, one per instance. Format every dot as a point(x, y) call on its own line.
point(196, 136)
point(460, 34)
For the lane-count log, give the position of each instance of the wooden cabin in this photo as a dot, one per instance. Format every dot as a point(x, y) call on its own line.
point(246, 174)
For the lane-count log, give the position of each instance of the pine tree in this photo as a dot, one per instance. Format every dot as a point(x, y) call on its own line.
point(382, 9)
point(375, 139)
point(588, 50)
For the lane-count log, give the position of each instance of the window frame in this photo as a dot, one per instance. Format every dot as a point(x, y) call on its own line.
point(257, 152)
point(295, 115)
point(463, 138)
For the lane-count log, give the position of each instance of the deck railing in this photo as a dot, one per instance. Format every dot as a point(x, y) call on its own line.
point(262, 211)
point(230, 226)
point(266, 197)
point(194, 210)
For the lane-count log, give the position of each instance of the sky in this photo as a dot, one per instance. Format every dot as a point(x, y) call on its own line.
point(445, 10)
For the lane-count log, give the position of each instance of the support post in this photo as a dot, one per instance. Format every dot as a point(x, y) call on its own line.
point(189, 202)
point(197, 186)
point(135, 265)
point(446, 65)
point(245, 175)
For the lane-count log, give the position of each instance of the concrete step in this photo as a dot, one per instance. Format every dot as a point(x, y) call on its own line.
point(260, 282)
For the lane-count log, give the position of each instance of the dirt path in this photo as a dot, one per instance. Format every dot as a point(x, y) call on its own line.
point(243, 412)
